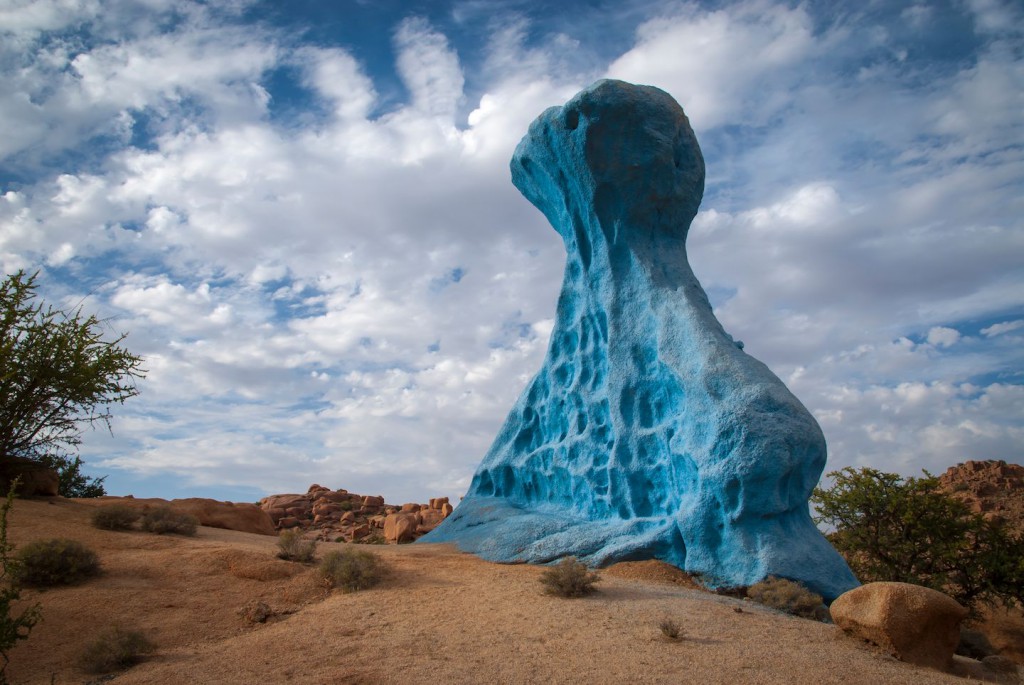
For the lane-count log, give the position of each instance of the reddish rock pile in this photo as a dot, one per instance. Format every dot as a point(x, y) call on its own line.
point(333, 515)
point(992, 488)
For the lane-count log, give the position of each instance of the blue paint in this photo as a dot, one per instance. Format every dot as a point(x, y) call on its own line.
point(648, 432)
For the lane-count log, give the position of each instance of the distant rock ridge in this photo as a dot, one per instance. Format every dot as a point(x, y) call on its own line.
point(992, 488)
point(648, 432)
point(340, 515)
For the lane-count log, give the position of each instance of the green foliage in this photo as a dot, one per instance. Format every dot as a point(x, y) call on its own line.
point(786, 595)
point(58, 561)
point(291, 547)
point(352, 569)
point(13, 627)
point(115, 517)
point(72, 482)
point(569, 578)
point(161, 520)
point(115, 649)
point(908, 530)
point(56, 374)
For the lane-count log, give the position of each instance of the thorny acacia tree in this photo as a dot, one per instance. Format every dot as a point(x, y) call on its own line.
point(908, 530)
point(57, 373)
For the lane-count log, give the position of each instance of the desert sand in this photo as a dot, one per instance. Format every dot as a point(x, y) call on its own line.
point(440, 616)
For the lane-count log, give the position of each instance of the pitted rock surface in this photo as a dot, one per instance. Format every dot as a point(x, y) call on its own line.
point(648, 432)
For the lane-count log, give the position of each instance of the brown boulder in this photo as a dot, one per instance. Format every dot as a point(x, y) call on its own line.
point(446, 508)
point(284, 502)
point(399, 528)
point(244, 517)
point(913, 623)
point(36, 480)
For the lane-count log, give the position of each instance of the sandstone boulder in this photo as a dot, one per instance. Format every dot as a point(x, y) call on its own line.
point(399, 528)
point(913, 623)
point(244, 517)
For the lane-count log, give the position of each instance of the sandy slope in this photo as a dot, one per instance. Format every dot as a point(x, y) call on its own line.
point(441, 616)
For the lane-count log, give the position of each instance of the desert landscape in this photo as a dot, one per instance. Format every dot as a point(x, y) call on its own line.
point(438, 616)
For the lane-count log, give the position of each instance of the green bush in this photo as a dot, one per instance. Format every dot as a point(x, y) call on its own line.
point(114, 650)
point(352, 569)
point(46, 563)
point(292, 547)
point(13, 627)
point(115, 517)
point(163, 520)
point(908, 530)
point(788, 596)
point(569, 578)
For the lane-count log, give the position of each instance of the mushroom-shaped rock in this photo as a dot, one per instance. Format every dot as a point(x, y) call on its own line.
point(648, 432)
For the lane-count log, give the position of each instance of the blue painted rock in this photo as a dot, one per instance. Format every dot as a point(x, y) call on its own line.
point(648, 432)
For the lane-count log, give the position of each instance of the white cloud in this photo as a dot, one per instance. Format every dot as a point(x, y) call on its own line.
point(942, 336)
point(1001, 328)
point(724, 66)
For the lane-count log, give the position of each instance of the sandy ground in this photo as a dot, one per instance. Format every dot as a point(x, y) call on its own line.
point(440, 617)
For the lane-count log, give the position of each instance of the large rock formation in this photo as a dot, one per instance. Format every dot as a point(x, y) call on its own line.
point(648, 432)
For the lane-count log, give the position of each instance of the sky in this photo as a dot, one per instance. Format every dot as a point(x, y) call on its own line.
point(301, 214)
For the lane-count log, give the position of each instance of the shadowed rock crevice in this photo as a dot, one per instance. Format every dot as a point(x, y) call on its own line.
point(648, 432)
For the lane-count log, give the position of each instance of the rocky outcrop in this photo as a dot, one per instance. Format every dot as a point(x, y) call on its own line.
point(332, 515)
point(648, 432)
point(912, 623)
point(994, 489)
point(240, 516)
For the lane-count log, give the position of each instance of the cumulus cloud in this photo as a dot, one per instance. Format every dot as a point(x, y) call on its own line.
point(942, 336)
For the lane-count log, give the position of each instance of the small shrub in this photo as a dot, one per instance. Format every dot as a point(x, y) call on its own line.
point(115, 517)
point(46, 563)
point(292, 547)
point(352, 569)
point(346, 505)
point(785, 595)
point(569, 578)
point(14, 625)
point(256, 612)
point(372, 539)
point(670, 629)
point(114, 650)
point(163, 520)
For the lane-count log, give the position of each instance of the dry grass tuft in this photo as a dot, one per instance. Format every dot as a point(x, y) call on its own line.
point(569, 578)
point(115, 517)
point(670, 629)
point(162, 520)
point(786, 595)
point(114, 650)
point(47, 563)
point(352, 569)
point(291, 547)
